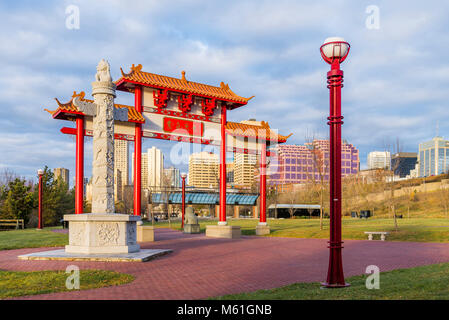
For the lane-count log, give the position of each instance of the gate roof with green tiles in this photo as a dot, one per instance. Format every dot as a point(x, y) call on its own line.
point(206, 198)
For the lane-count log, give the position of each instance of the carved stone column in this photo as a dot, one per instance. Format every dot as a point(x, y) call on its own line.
point(103, 231)
point(103, 91)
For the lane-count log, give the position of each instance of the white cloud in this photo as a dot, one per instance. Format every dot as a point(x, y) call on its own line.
point(395, 78)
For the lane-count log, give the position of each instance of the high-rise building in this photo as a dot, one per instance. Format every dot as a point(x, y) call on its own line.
point(309, 162)
point(379, 160)
point(121, 159)
point(118, 187)
point(143, 170)
point(62, 173)
point(155, 167)
point(244, 165)
point(433, 157)
point(403, 162)
point(172, 177)
point(152, 168)
point(204, 170)
point(230, 172)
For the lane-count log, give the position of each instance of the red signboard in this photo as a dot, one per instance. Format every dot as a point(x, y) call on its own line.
point(192, 128)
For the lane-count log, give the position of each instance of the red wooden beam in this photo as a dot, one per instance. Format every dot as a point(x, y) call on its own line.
point(162, 136)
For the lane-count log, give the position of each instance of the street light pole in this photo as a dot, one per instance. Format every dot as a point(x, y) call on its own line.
point(334, 51)
point(40, 173)
point(183, 212)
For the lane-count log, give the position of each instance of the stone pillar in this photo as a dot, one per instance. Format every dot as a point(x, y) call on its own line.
point(211, 210)
point(255, 212)
point(217, 211)
point(236, 211)
point(103, 91)
point(102, 231)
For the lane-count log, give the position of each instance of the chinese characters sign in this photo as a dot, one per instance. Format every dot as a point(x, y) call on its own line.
point(193, 128)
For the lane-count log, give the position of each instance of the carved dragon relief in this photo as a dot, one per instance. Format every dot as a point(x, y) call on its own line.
point(108, 233)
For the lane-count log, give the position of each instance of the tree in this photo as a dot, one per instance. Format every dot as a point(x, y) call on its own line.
point(56, 198)
point(320, 165)
point(272, 197)
point(6, 177)
point(18, 202)
point(444, 197)
point(409, 190)
point(128, 200)
point(389, 181)
point(166, 190)
point(290, 198)
point(393, 169)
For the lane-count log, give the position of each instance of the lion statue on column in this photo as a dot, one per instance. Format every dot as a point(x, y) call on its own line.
point(190, 217)
point(103, 72)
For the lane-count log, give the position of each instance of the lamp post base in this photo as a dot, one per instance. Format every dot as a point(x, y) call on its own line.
point(325, 285)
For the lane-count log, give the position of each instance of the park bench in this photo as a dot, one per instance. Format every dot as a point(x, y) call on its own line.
point(370, 235)
point(12, 222)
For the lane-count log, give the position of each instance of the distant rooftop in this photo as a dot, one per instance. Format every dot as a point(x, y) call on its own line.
point(405, 155)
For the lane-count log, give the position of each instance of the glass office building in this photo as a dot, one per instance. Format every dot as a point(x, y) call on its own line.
point(433, 157)
point(296, 164)
point(403, 162)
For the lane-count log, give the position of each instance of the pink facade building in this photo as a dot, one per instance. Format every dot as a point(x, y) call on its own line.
point(306, 163)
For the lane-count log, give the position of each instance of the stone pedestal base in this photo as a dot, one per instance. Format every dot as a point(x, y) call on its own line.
point(191, 228)
point(262, 230)
point(102, 233)
point(217, 231)
point(145, 233)
point(140, 256)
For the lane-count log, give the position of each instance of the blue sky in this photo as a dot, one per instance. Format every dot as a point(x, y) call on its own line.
point(395, 76)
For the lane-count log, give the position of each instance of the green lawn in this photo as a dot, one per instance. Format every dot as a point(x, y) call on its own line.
point(415, 229)
point(32, 238)
point(16, 284)
point(427, 282)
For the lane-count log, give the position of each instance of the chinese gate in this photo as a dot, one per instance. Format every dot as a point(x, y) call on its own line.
point(178, 110)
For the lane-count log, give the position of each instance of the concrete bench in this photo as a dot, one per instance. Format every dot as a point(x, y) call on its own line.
point(382, 235)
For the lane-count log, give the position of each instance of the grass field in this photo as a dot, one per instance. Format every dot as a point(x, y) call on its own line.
point(16, 284)
point(427, 282)
point(415, 229)
point(32, 238)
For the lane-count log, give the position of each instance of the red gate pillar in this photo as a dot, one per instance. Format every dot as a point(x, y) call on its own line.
point(222, 218)
point(138, 154)
point(263, 184)
point(79, 175)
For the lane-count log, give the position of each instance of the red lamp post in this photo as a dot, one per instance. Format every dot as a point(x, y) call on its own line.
point(334, 51)
point(263, 185)
point(40, 173)
point(183, 176)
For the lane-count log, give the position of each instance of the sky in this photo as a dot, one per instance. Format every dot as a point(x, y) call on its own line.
point(395, 85)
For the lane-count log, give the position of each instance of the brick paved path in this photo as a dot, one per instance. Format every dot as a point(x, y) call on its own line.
point(202, 267)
